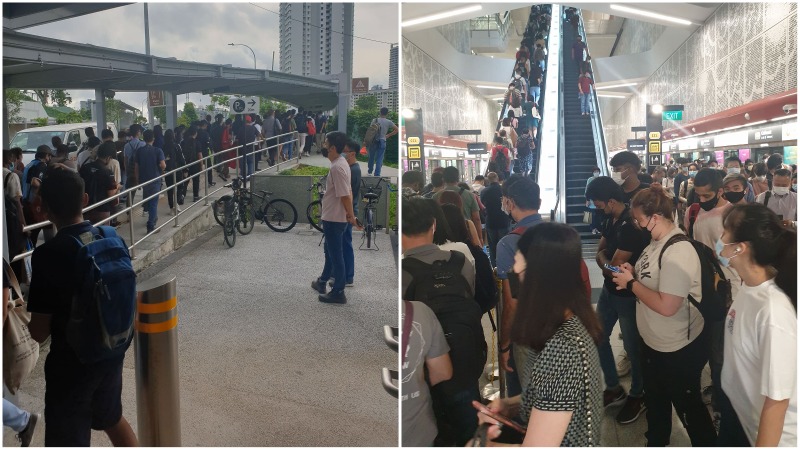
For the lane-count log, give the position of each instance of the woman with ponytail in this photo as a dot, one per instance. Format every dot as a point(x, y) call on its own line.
point(759, 374)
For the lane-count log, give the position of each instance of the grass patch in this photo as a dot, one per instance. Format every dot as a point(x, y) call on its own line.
point(303, 169)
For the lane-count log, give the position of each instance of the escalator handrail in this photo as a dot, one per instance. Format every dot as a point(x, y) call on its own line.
point(559, 213)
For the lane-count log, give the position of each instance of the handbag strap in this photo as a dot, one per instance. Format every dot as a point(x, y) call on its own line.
point(407, 323)
point(12, 278)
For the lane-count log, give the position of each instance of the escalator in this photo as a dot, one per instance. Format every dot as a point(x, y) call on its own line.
point(580, 150)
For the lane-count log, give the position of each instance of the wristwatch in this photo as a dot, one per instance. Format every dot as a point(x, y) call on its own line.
point(629, 286)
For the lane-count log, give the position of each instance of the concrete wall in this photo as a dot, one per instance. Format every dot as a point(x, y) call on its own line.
point(744, 52)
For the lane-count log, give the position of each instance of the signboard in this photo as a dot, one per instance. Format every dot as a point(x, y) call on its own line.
point(415, 141)
point(744, 154)
point(789, 131)
point(673, 147)
point(654, 147)
point(764, 135)
point(719, 155)
point(732, 138)
point(790, 155)
point(654, 160)
point(672, 115)
point(477, 148)
point(360, 85)
point(654, 135)
point(155, 98)
point(636, 145)
point(244, 105)
point(705, 143)
point(414, 152)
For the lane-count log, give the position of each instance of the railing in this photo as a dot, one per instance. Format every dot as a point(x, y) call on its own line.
point(552, 130)
point(491, 23)
point(601, 151)
point(240, 158)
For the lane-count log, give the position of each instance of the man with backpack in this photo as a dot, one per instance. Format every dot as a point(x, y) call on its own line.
point(514, 98)
point(525, 147)
point(83, 376)
point(378, 147)
point(129, 151)
point(539, 56)
point(270, 129)
point(501, 157)
point(445, 282)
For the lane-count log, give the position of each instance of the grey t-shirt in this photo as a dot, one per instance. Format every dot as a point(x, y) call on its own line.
point(426, 341)
point(384, 125)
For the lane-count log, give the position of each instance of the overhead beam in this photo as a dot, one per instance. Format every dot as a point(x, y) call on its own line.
point(17, 16)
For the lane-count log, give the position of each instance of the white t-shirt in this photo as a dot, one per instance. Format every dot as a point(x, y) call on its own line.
point(761, 357)
point(113, 166)
point(459, 247)
point(14, 188)
point(678, 275)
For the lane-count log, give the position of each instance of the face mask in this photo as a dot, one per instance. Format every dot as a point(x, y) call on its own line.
point(780, 190)
point(718, 248)
point(597, 174)
point(761, 178)
point(794, 187)
point(709, 205)
point(692, 173)
point(617, 177)
point(734, 197)
point(734, 170)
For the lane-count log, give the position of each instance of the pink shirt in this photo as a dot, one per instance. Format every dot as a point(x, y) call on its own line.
point(338, 186)
point(708, 225)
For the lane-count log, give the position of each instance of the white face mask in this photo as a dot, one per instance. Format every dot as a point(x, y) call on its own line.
point(780, 190)
point(734, 170)
point(761, 178)
point(617, 177)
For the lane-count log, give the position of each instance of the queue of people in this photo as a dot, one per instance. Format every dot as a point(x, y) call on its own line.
point(554, 349)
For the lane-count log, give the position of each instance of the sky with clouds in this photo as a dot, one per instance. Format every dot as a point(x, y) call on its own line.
point(202, 31)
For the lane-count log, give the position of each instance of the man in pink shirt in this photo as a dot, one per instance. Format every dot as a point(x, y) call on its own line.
point(585, 84)
point(337, 212)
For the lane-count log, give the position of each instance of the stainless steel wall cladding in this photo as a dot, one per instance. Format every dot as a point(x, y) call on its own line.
point(743, 53)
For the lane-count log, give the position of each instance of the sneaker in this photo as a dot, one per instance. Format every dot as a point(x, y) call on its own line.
point(623, 366)
point(634, 407)
point(26, 435)
point(347, 284)
point(196, 199)
point(178, 209)
point(144, 212)
point(214, 183)
point(614, 396)
point(319, 287)
point(333, 297)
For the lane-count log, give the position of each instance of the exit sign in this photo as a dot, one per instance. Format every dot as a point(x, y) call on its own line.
point(672, 115)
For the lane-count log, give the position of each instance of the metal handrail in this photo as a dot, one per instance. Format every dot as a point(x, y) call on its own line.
point(129, 207)
point(598, 131)
point(561, 191)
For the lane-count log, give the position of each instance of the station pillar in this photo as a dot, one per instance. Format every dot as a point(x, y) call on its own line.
point(6, 138)
point(100, 110)
point(171, 102)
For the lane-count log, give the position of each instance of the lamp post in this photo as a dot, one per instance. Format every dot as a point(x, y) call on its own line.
point(254, 53)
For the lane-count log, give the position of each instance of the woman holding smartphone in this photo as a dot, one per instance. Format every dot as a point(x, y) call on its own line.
point(562, 400)
point(759, 375)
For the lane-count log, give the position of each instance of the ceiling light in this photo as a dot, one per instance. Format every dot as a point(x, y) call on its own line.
point(615, 86)
point(442, 15)
point(651, 14)
point(482, 86)
point(408, 113)
point(657, 108)
point(792, 116)
point(610, 96)
point(757, 123)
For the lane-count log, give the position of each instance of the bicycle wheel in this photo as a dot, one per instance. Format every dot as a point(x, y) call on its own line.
point(218, 207)
point(246, 218)
point(280, 215)
point(314, 214)
point(229, 232)
point(369, 226)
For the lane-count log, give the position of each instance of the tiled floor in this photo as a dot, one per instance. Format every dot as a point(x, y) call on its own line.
point(613, 434)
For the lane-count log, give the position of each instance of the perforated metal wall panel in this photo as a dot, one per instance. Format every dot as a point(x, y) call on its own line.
point(744, 52)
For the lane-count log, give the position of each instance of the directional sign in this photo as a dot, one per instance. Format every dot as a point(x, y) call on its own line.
point(244, 105)
point(477, 148)
point(672, 115)
point(655, 147)
point(414, 152)
point(654, 160)
point(360, 85)
point(654, 135)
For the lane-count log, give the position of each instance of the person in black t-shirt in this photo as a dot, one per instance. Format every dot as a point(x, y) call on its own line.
point(78, 398)
point(497, 222)
point(99, 184)
point(625, 168)
point(621, 242)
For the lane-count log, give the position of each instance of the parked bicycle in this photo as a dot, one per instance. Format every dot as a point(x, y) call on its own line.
point(231, 213)
point(314, 210)
point(278, 214)
point(371, 195)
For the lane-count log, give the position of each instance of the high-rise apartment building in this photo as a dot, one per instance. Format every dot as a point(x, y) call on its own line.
point(393, 66)
point(312, 38)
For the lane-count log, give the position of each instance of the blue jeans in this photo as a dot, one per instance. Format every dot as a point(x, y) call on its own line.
point(246, 166)
point(334, 255)
point(611, 308)
point(15, 418)
point(376, 156)
point(349, 256)
point(456, 417)
point(151, 206)
point(584, 103)
point(536, 92)
point(287, 149)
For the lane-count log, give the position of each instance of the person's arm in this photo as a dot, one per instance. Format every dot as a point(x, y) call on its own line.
point(546, 428)
point(347, 201)
point(600, 257)
point(136, 170)
point(476, 220)
point(439, 369)
point(474, 234)
point(39, 326)
point(770, 425)
point(394, 131)
point(665, 304)
point(506, 320)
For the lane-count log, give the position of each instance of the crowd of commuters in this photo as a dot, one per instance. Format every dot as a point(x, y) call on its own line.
point(555, 349)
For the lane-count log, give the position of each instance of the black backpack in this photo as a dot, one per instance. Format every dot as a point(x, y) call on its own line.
point(502, 161)
point(525, 146)
point(443, 288)
point(16, 238)
point(715, 286)
point(300, 120)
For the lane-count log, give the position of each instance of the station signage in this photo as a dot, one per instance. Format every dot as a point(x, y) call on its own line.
point(415, 138)
point(654, 160)
point(360, 85)
point(654, 135)
point(789, 131)
point(637, 145)
point(244, 105)
point(764, 135)
point(477, 148)
point(705, 143)
point(155, 98)
point(672, 115)
point(654, 147)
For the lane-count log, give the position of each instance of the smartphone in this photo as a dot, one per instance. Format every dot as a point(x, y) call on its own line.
point(504, 420)
point(614, 269)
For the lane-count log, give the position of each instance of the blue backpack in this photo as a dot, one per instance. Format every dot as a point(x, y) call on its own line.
point(100, 325)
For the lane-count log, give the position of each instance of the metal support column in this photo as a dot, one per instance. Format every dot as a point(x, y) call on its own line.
point(171, 102)
point(6, 137)
point(156, 348)
point(100, 110)
point(345, 83)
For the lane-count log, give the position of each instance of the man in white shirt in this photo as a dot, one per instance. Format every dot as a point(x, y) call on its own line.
point(781, 199)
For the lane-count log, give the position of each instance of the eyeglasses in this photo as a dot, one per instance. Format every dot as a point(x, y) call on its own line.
point(636, 222)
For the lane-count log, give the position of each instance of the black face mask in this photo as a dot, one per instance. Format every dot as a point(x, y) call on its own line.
point(734, 197)
point(325, 152)
point(709, 205)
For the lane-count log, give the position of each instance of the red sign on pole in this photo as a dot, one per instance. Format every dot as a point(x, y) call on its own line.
point(156, 98)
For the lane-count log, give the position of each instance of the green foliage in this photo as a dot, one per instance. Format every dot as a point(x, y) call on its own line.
point(393, 207)
point(14, 99)
point(302, 169)
point(221, 101)
point(41, 121)
point(59, 97)
point(368, 103)
point(86, 115)
point(114, 111)
point(189, 114)
point(265, 105)
point(71, 117)
point(160, 113)
point(140, 119)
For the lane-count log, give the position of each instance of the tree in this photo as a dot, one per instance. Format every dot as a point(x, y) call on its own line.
point(14, 99)
point(367, 102)
point(221, 101)
point(86, 114)
point(59, 97)
point(114, 111)
point(70, 117)
point(189, 111)
point(160, 113)
point(41, 121)
point(266, 105)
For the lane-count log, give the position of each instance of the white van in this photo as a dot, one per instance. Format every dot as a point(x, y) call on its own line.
point(71, 134)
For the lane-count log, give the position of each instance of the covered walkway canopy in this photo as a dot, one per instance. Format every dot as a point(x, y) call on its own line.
point(35, 62)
